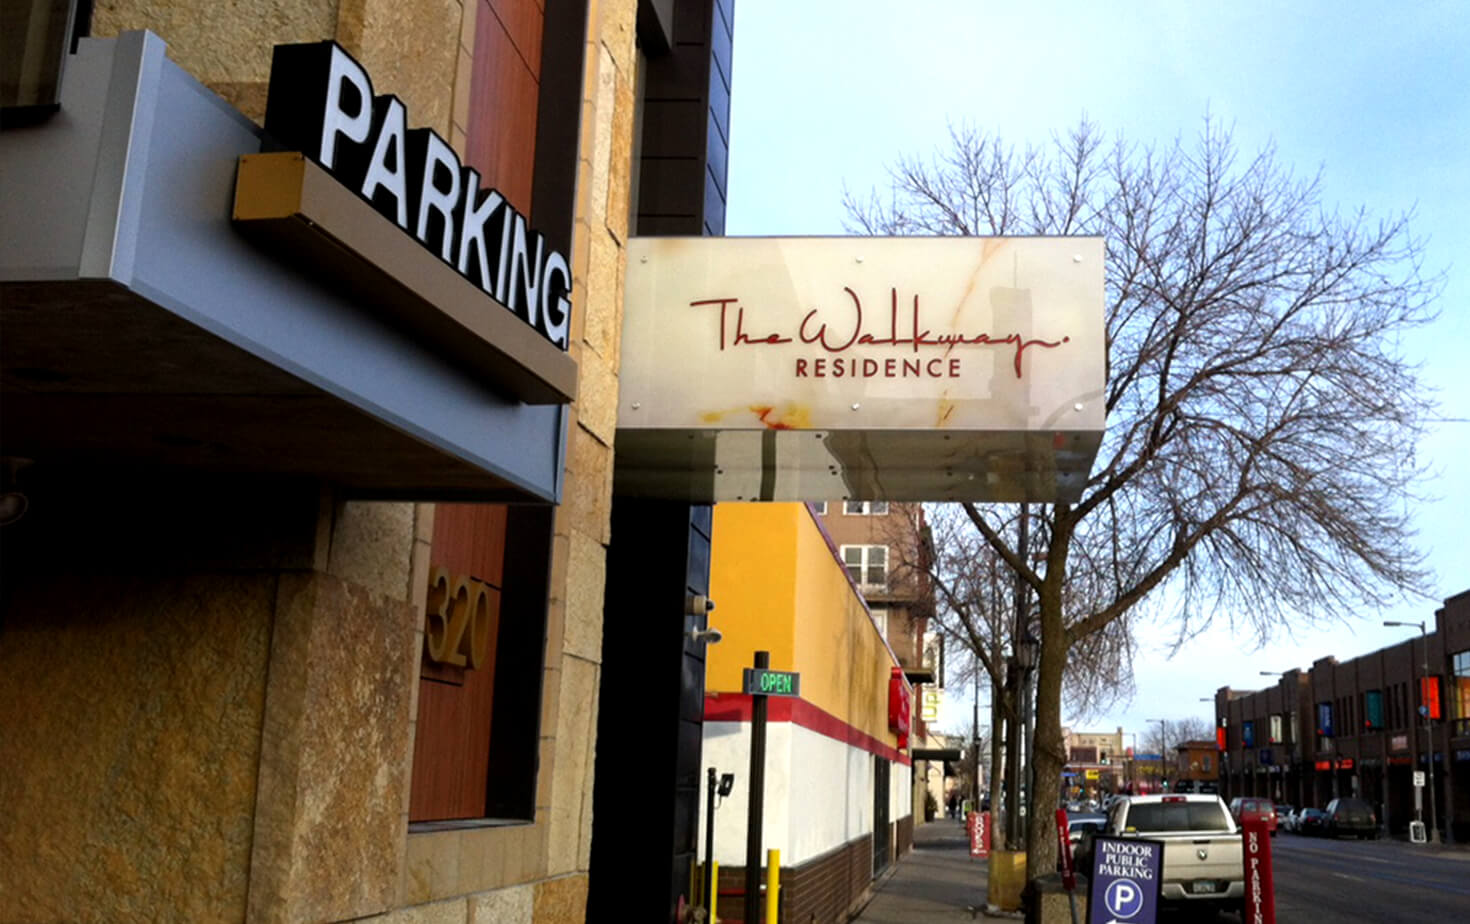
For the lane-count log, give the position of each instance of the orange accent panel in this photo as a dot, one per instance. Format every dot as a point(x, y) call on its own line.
point(451, 748)
point(469, 539)
point(504, 92)
point(451, 752)
point(523, 21)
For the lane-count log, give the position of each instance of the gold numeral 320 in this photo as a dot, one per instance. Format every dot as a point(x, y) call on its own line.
point(459, 619)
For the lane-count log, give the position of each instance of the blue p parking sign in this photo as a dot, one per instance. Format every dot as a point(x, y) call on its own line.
point(1124, 882)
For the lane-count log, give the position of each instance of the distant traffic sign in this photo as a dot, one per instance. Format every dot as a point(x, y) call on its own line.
point(1127, 874)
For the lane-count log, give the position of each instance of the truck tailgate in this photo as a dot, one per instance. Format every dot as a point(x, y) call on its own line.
point(1189, 858)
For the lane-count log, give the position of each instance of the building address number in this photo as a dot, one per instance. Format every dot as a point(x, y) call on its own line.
point(459, 619)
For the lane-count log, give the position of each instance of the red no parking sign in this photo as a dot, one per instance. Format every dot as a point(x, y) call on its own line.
point(979, 825)
point(1260, 890)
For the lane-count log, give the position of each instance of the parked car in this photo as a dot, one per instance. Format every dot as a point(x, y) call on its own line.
point(1245, 808)
point(1347, 815)
point(1310, 821)
point(1288, 820)
point(1081, 825)
point(1203, 864)
point(1284, 813)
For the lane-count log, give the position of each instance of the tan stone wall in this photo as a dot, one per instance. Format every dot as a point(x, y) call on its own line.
point(538, 873)
point(131, 711)
point(410, 48)
point(335, 750)
point(262, 772)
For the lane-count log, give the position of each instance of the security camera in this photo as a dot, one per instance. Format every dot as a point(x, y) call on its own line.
point(727, 783)
point(709, 636)
point(698, 605)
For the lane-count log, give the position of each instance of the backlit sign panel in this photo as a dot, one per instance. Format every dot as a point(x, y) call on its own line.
point(863, 368)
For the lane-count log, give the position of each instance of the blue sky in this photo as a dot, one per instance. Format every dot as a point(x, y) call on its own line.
point(827, 94)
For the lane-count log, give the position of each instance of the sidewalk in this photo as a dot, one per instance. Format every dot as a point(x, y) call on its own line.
point(937, 881)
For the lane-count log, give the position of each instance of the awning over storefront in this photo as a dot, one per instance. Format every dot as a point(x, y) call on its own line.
point(142, 327)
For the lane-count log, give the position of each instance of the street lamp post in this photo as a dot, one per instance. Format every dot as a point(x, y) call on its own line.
point(1026, 654)
point(1428, 728)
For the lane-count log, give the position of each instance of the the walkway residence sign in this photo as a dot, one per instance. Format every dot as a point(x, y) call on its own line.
point(898, 368)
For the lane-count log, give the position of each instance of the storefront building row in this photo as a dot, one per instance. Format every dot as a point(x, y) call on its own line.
point(1358, 728)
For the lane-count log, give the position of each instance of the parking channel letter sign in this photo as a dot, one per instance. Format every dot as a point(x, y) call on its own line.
point(1125, 883)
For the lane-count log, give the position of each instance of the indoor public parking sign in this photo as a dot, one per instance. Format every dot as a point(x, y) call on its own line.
point(1126, 877)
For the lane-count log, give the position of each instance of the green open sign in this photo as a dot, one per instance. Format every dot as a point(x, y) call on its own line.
point(772, 683)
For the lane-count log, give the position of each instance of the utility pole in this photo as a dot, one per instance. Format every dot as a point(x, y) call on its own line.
point(1428, 727)
point(1014, 737)
point(975, 741)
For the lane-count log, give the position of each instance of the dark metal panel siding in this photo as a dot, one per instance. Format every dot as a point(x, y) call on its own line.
point(645, 800)
point(684, 156)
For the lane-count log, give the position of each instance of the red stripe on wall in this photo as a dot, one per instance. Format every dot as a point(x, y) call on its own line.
point(739, 707)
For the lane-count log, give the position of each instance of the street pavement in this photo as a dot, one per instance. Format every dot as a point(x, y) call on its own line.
point(1318, 881)
point(936, 881)
point(1385, 882)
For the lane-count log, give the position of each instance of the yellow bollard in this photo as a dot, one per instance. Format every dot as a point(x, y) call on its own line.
point(1007, 878)
point(714, 890)
point(773, 885)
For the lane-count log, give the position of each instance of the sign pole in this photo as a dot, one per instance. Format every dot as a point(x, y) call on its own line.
point(709, 843)
point(1069, 875)
point(757, 797)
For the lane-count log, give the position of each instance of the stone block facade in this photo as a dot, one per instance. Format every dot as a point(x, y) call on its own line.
point(228, 735)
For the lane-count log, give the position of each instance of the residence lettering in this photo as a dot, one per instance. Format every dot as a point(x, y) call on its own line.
point(844, 328)
point(321, 102)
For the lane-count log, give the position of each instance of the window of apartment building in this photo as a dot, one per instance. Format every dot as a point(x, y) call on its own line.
point(1296, 731)
point(819, 508)
point(1205, 761)
point(880, 619)
point(1275, 729)
point(1460, 692)
point(867, 564)
point(1373, 710)
point(865, 508)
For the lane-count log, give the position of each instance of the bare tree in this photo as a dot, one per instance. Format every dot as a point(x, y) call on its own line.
point(1261, 421)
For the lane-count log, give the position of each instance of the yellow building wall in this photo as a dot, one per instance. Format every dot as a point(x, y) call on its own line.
point(778, 587)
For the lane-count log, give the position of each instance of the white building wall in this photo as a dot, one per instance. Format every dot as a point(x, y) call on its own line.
point(819, 792)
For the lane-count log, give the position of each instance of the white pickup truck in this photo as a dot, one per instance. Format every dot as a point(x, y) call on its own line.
point(1203, 864)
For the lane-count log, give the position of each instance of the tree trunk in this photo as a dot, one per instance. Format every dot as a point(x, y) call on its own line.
point(1050, 757)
